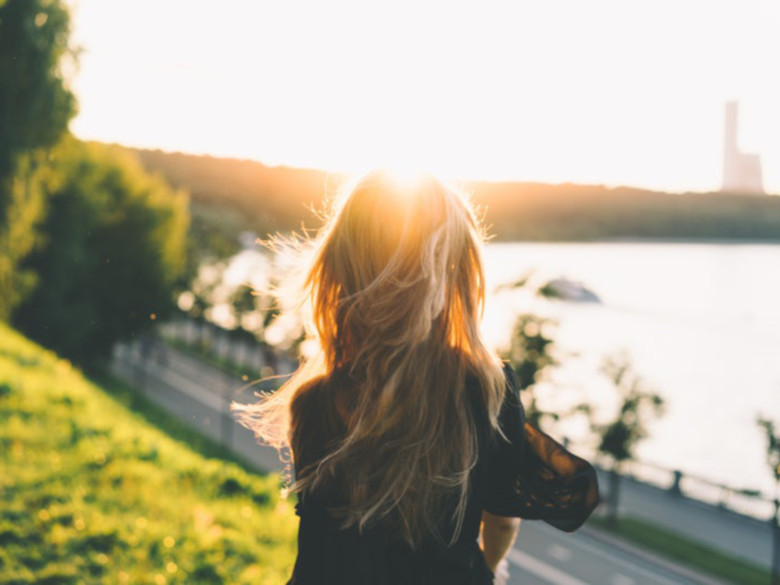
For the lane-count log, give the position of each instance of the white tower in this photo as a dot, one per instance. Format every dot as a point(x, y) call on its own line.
point(741, 171)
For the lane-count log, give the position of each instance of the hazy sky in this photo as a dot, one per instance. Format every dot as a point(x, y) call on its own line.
point(605, 91)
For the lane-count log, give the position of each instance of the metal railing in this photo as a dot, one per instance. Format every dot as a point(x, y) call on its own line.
point(746, 502)
point(225, 348)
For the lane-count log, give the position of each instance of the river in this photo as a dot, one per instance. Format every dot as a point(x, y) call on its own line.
point(699, 321)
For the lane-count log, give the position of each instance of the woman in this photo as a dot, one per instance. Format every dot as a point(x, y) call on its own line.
point(407, 434)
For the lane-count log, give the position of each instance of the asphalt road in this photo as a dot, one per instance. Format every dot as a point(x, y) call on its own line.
point(545, 555)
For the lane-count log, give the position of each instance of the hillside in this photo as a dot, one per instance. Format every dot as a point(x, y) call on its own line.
point(270, 199)
point(91, 492)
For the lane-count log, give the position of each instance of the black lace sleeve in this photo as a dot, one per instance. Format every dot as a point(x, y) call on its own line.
point(532, 476)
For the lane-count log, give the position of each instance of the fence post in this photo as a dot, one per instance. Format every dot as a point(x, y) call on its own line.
point(614, 493)
point(227, 418)
point(675, 489)
point(776, 545)
point(145, 351)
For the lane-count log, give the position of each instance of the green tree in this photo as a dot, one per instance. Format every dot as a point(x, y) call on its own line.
point(113, 246)
point(254, 310)
point(620, 435)
point(35, 107)
point(531, 355)
point(773, 460)
point(532, 351)
point(772, 433)
point(27, 202)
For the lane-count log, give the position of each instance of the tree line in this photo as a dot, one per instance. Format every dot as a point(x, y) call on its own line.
point(270, 199)
point(91, 245)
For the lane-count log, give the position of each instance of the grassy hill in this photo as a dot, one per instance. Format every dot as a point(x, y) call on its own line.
point(92, 492)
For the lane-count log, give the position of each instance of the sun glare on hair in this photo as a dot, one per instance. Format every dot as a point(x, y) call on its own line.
point(406, 179)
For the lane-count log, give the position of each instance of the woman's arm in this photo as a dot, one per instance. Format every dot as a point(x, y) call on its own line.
point(498, 535)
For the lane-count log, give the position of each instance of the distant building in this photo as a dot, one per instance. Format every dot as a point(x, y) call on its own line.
point(741, 171)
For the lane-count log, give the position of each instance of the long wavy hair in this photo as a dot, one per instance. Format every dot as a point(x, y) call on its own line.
point(395, 291)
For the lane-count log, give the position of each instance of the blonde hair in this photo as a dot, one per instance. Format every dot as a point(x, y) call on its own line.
point(396, 290)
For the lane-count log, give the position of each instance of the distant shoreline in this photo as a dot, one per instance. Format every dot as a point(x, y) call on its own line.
point(630, 240)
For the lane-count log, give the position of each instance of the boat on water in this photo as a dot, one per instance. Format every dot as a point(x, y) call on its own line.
point(568, 290)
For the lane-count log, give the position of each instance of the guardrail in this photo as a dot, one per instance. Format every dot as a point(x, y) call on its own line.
point(227, 348)
point(746, 502)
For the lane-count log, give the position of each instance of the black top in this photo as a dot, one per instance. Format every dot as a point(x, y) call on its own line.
point(531, 477)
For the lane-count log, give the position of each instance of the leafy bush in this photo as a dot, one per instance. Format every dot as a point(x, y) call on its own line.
point(112, 247)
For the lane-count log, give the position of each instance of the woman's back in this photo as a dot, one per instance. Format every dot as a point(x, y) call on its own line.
point(330, 554)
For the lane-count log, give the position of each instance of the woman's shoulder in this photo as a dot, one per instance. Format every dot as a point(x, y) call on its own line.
point(323, 396)
point(316, 424)
point(307, 397)
point(511, 393)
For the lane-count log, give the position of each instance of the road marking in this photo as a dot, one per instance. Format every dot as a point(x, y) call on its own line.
point(542, 569)
point(628, 565)
point(559, 553)
point(653, 576)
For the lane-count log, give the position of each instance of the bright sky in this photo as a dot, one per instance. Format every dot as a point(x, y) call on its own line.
point(597, 91)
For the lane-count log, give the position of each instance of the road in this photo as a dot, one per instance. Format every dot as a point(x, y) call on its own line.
point(544, 555)
point(199, 395)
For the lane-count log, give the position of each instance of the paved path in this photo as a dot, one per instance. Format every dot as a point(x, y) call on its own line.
point(739, 536)
point(546, 555)
point(200, 395)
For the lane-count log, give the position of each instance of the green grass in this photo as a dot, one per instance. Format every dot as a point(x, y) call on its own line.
point(92, 492)
point(686, 552)
point(170, 425)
